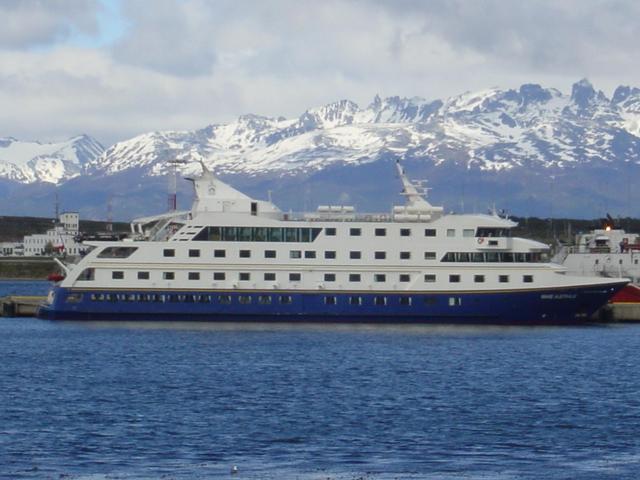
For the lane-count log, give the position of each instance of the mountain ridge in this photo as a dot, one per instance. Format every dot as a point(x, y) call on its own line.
point(523, 136)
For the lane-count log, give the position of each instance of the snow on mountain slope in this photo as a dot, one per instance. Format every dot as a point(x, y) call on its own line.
point(29, 162)
point(494, 130)
point(491, 130)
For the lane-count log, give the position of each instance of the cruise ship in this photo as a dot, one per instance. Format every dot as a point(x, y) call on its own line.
point(234, 258)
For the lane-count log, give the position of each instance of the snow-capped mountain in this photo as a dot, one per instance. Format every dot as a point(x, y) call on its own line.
point(535, 150)
point(29, 162)
point(491, 130)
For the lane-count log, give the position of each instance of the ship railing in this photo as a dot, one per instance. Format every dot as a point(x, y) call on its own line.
point(158, 232)
point(350, 217)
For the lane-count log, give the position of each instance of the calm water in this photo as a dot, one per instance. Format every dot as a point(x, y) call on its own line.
point(130, 401)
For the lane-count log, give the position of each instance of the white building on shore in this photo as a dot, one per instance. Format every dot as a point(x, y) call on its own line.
point(60, 239)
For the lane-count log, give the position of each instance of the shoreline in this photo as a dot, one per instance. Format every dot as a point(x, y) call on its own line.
point(27, 268)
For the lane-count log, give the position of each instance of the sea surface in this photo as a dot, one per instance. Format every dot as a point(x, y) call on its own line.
point(198, 401)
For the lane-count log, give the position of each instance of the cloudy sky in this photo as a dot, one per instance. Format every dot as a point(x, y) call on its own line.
point(117, 68)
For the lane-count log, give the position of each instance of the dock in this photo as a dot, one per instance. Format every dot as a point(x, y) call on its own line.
point(20, 306)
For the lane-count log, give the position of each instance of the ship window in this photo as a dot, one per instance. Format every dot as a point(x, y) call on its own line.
point(264, 299)
point(380, 301)
point(330, 232)
point(244, 276)
point(503, 278)
point(169, 252)
point(596, 262)
point(379, 277)
point(381, 232)
point(74, 298)
point(405, 277)
point(380, 255)
point(493, 243)
point(244, 299)
point(305, 235)
point(355, 300)
point(520, 257)
point(285, 299)
point(455, 301)
point(330, 300)
point(254, 208)
point(219, 253)
point(270, 277)
point(492, 257)
point(451, 232)
point(309, 254)
point(429, 232)
point(168, 275)
point(506, 257)
point(219, 275)
point(527, 278)
point(468, 232)
point(194, 276)
point(245, 253)
point(329, 277)
point(477, 257)
point(354, 277)
point(143, 275)
point(330, 254)
point(478, 278)
point(291, 234)
point(294, 277)
point(405, 255)
point(429, 277)
point(260, 234)
point(405, 232)
point(295, 254)
point(87, 274)
point(620, 262)
point(462, 257)
point(194, 253)
point(117, 275)
point(355, 232)
point(269, 254)
point(355, 255)
point(429, 255)
point(493, 232)
point(117, 252)
point(275, 235)
point(224, 299)
point(229, 233)
point(449, 257)
point(405, 301)
point(454, 278)
point(243, 234)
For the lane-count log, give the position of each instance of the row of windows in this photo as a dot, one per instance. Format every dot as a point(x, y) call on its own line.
point(295, 254)
point(179, 298)
point(493, 257)
point(289, 234)
point(224, 299)
point(258, 234)
point(328, 277)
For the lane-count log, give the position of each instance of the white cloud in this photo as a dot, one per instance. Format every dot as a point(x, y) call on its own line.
point(185, 64)
point(30, 23)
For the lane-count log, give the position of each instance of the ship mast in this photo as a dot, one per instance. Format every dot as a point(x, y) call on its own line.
point(414, 191)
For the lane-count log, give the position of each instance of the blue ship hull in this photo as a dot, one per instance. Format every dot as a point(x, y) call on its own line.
point(536, 306)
